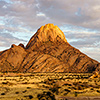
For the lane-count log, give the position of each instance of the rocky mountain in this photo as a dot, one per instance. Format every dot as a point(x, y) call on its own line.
point(47, 51)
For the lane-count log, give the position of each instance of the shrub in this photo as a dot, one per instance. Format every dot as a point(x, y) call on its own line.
point(29, 96)
point(46, 96)
point(80, 88)
point(92, 88)
point(67, 90)
point(24, 91)
point(16, 92)
point(98, 91)
point(2, 93)
point(55, 88)
point(76, 94)
point(28, 87)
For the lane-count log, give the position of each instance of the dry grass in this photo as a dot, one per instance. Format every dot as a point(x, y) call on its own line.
point(19, 86)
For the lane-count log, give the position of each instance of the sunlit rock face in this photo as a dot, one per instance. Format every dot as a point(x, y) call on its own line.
point(47, 33)
point(47, 51)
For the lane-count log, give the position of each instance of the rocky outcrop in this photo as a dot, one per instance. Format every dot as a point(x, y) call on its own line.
point(47, 51)
point(11, 59)
point(95, 75)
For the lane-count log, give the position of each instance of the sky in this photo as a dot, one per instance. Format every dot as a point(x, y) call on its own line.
point(78, 19)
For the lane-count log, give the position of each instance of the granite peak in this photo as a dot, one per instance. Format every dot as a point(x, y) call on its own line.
point(47, 51)
point(47, 33)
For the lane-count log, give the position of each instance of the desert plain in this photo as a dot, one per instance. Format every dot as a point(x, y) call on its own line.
point(49, 86)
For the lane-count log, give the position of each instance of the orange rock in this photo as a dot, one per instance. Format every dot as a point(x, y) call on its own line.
point(47, 33)
point(95, 75)
point(47, 51)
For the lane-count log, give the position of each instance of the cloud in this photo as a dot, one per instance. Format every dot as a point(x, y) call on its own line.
point(82, 13)
point(83, 39)
point(79, 20)
point(92, 52)
point(27, 12)
point(7, 39)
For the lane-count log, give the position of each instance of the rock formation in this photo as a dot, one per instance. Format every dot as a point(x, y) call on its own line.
point(95, 75)
point(47, 51)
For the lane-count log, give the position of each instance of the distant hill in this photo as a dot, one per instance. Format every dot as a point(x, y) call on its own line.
point(47, 51)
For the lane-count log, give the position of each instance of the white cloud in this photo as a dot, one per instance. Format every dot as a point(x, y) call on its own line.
point(80, 20)
point(41, 14)
point(7, 39)
point(92, 52)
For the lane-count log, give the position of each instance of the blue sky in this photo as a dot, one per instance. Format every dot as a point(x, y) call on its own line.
point(78, 19)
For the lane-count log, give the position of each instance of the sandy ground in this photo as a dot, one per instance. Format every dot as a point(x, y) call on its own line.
point(46, 86)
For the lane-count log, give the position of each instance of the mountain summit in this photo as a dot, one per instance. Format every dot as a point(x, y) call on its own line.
point(47, 33)
point(47, 51)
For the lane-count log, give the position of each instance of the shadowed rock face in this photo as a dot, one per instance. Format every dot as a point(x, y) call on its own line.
point(47, 51)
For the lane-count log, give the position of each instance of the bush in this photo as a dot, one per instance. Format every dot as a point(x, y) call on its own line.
point(29, 96)
point(80, 88)
point(98, 91)
point(46, 96)
point(55, 88)
point(2, 93)
point(16, 92)
point(76, 94)
point(92, 88)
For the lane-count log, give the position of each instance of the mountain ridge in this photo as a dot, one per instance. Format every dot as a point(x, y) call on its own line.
point(46, 51)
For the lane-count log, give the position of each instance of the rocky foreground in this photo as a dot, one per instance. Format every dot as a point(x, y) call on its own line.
point(47, 51)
